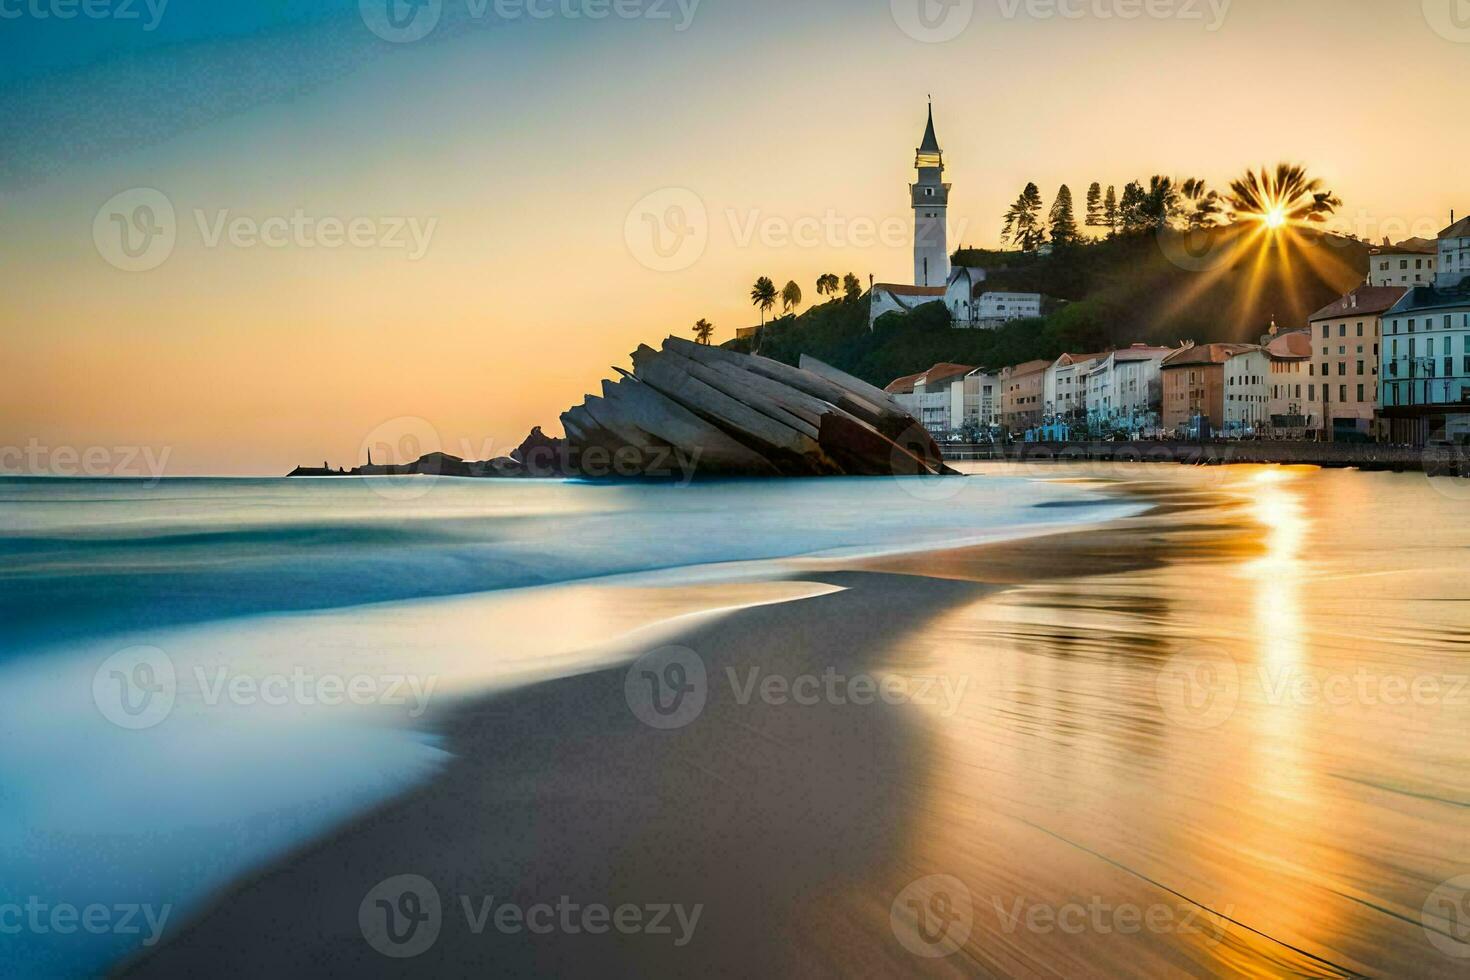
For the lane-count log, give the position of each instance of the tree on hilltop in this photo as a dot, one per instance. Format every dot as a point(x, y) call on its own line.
point(1063, 222)
point(763, 296)
point(1202, 206)
point(790, 296)
point(1131, 209)
point(1110, 210)
point(703, 330)
point(852, 287)
point(828, 284)
point(1023, 221)
point(1095, 206)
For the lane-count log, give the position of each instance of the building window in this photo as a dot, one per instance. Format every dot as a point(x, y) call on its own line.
point(1360, 392)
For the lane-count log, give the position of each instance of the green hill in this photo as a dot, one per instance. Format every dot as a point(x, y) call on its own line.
point(1222, 285)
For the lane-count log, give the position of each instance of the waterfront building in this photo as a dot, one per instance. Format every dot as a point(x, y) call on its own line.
point(1123, 391)
point(1424, 384)
point(1342, 378)
point(1193, 384)
point(931, 397)
point(1064, 389)
point(1265, 390)
point(1022, 387)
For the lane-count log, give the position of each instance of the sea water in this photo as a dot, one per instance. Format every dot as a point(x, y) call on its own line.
point(297, 633)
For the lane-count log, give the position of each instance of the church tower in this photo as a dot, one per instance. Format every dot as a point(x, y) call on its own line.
point(931, 210)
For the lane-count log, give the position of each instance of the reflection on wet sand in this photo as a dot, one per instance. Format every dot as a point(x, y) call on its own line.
point(1191, 741)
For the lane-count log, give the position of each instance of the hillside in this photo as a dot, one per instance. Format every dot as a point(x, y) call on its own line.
point(1221, 286)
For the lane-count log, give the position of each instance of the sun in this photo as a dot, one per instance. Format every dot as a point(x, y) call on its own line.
point(1275, 218)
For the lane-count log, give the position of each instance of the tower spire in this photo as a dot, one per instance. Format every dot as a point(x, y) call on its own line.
point(931, 142)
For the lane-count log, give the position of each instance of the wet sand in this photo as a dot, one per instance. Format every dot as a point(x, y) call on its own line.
point(1091, 813)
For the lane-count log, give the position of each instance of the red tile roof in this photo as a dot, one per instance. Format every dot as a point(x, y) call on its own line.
point(938, 374)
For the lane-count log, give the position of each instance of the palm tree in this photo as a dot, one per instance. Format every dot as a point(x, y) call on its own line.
point(763, 295)
point(1205, 204)
point(790, 296)
point(703, 330)
point(1161, 201)
point(828, 284)
point(1277, 198)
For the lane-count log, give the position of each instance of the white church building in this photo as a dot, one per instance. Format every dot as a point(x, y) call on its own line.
point(961, 289)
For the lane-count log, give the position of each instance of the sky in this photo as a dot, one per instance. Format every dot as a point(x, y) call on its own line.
point(244, 237)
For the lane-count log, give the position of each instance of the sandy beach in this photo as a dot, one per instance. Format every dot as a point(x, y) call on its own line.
point(1033, 799)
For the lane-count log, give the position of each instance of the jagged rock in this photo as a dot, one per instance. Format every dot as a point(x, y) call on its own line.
point(711, 411)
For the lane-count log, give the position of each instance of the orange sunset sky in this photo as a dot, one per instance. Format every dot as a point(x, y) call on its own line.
point(520, 146)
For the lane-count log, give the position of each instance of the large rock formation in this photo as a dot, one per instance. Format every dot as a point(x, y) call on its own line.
point(689, 409)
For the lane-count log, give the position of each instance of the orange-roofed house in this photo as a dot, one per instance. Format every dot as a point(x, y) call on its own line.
point(1194, 388)
point(1266, 387)
point(941, 397)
